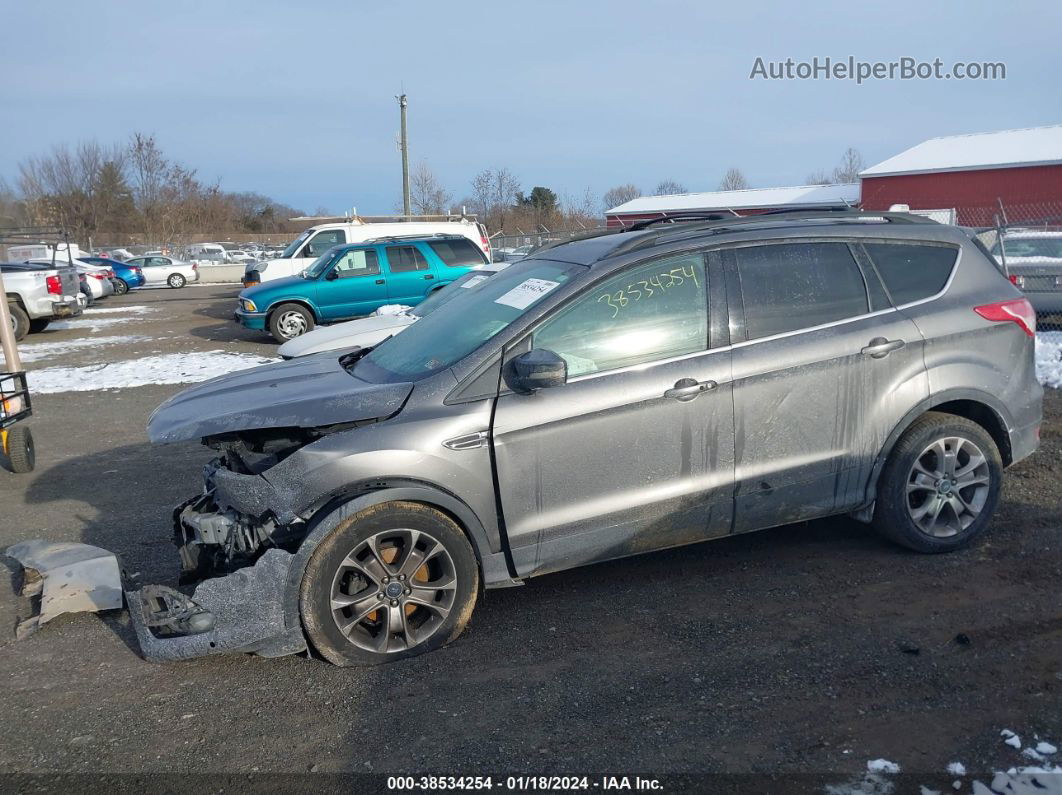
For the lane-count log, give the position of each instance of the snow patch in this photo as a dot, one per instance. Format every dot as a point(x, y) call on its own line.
point(1010, 738)
point(957, 769)
point(392, 309)
point(136, 309)
point(1046, 748)
point(874, 782)
point(1049, 358)
point(882, 766)
point(35, 351)
point(92, 323)
point(170, 368)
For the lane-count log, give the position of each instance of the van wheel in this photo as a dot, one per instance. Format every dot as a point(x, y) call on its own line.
point(394, 581)
point(175, 280)
point(20, 322)
point(940, 486)
point(289, 321)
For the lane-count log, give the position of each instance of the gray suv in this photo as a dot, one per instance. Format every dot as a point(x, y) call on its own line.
point(667, 384)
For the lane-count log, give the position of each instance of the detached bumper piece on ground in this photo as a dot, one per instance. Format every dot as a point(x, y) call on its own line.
point(240, 612)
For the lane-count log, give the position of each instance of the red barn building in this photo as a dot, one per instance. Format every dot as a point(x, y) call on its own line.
point(973, 175)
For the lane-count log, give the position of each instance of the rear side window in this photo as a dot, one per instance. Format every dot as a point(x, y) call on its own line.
point(458, 253)
point(911, 271)
point(791, 286)
point(406, 258)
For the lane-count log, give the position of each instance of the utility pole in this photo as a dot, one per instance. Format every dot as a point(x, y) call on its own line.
point(403, 144)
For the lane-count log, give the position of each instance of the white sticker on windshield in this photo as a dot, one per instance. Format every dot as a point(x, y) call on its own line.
point(526, 293)
point(472, 282)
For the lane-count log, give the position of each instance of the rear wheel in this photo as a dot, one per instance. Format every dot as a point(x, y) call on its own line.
point(396, 580)
point(19, 449)
point(39, 324)
point(289, 321)
point(940, 486)
point(175, 280)
point(121, 287)
point(20, 322)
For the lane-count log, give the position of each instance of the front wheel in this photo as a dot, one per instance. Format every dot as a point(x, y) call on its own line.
point(289, 321)
point(396, 580)
point(175, 280)
point(940, 485)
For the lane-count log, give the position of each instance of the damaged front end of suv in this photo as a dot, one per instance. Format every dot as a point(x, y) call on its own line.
point(242, 542)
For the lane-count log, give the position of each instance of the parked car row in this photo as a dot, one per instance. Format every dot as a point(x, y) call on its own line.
point(1033, 260)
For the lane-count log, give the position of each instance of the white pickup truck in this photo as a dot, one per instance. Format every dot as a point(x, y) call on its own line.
point(38, 293)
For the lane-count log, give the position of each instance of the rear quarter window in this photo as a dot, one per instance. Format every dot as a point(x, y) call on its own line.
point(912, 271)
point(458, 253)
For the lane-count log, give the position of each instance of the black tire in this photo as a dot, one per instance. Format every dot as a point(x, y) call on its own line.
point(175, 280)
point(324, 573)
point(289, 321)
point(39, 324)
point(893, 512)
point(21, 454)
point(20, 322)
point(121, 287)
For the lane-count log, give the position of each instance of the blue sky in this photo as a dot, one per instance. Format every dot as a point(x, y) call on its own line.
point(296, 101)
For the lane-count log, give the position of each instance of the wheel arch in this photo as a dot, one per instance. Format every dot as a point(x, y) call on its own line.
point(275, 305)
point(976, 406)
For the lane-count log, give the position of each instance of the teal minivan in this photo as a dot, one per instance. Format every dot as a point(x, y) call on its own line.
point(356, 280)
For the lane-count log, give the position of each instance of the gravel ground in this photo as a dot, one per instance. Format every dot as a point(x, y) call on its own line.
point(797, 653)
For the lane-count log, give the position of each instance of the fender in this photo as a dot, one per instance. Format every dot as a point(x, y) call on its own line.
point(303, 300)
point(947, 396)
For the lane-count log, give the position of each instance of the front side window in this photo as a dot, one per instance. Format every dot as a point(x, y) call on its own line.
point(911, 271)
point(653, 311)
point(791, 286)
point(461, 253)
point(468, 320)
point(403, 259)
point(324, 240)
point(357, 262)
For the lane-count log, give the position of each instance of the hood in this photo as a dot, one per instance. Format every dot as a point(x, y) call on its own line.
point(362, 333)
point(304, 393)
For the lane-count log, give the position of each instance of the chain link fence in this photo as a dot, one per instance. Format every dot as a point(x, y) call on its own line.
point(521, 243)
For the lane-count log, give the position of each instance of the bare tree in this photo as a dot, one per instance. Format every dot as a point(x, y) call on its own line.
point(493, 195)
point(621, 194)
point(669, 187)
point(820, 177)
point(426, 193)
point(733, 180)
point(848, 169)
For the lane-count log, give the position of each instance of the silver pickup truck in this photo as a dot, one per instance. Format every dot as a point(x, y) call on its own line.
point(38, 293)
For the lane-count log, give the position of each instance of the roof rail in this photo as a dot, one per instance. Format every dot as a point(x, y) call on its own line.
point(421, 236)
point(714, 226)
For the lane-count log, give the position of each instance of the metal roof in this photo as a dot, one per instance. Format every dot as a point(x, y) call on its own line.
point(1033, 146)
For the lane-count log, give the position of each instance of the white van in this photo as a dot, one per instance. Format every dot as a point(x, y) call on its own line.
point(44, 251)
point(207, 254)
point(316, 240)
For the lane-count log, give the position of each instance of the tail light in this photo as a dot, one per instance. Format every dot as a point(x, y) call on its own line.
point(110, 273)
point(195, 266)
point(98, 275)
point(1017, 310)
point(55, 285)
point(1016, 280)
point(137, 271)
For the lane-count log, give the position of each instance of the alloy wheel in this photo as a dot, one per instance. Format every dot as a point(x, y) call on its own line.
point(291, 325)
point(393, 591)
point(948, 486)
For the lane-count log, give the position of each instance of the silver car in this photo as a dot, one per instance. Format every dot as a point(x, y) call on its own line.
point(668, 384)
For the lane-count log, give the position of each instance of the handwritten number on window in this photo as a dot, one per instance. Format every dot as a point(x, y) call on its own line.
point(656, 284)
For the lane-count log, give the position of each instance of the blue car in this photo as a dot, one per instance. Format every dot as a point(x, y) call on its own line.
point(355, 280)
point(126, 277)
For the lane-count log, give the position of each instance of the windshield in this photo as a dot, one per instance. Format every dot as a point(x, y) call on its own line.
point(293, 246)
point(321, 264)
point(448, 293)
point(464, 323)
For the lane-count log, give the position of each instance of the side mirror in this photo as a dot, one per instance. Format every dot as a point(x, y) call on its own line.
point(331, 275)
point(537, 369)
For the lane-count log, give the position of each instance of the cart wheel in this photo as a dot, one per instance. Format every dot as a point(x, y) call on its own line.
point(20, 452)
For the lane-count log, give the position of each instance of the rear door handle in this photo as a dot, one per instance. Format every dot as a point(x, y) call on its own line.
point(880, 347)
point(686, 389)
point(379, 281)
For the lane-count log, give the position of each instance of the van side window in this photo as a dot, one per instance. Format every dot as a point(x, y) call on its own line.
point(651, 312)
point(359, 262)
point(910, 271)
point(458, 253)
point(322, 241)
point(406, 258)
point(791, 286)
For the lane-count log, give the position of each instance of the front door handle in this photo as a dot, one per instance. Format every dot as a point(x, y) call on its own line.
point(687, 389)
point(880, 347)
point(428, 276)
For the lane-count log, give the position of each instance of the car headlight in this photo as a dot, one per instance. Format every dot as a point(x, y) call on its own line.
point(248, 305)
